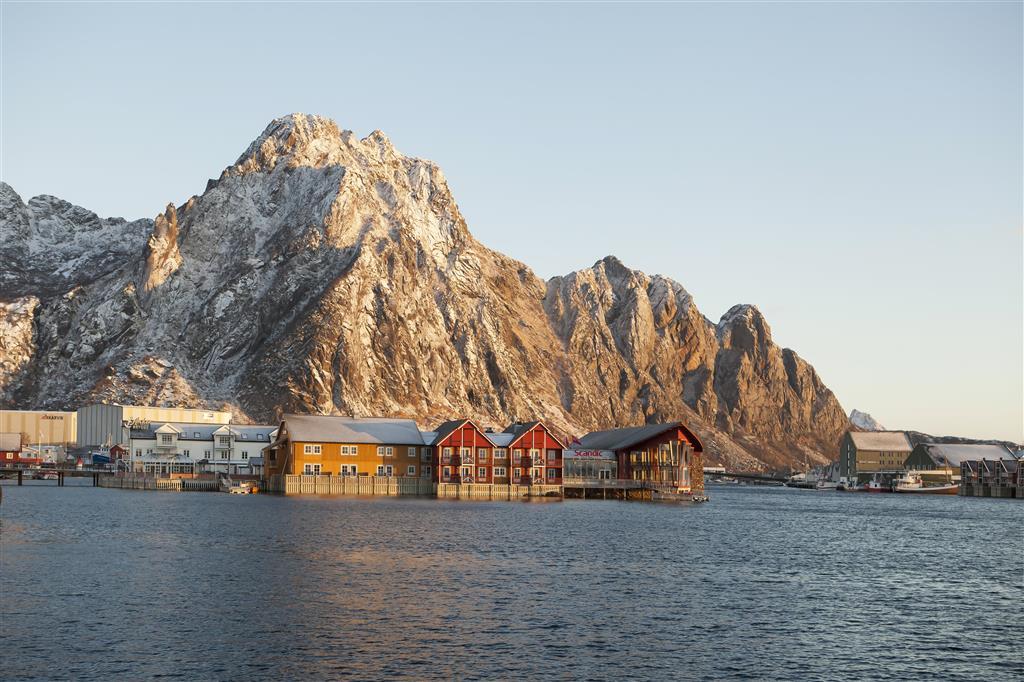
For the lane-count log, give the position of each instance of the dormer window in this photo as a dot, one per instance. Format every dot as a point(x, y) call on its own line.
point(165, 439)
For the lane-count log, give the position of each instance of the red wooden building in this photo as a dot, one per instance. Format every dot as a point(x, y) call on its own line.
point(534, 453)
point(668, 454)
point(462, 453)
point(524, 453)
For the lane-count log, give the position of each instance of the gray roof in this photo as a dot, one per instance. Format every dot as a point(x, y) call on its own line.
point(501, 440)
point(189, 431)
point(447, 428)
point(619, 439)
point(324, 429)
point(955, 453)
point(881, 441)
point(10, 442)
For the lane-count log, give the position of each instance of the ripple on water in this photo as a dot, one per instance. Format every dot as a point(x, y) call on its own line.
point(759, 583)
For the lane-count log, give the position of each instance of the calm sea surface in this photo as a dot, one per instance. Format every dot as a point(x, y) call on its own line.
point(761, 583)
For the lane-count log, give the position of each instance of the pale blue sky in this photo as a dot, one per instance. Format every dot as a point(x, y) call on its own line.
point(853, 169)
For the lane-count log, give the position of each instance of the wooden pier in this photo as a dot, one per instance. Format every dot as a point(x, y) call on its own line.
point(61, 474)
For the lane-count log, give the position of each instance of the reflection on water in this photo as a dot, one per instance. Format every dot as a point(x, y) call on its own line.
point(761, 582)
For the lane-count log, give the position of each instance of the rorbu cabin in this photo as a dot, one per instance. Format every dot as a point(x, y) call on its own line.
point(535, 453)
point(668, 455)
point(463, 453)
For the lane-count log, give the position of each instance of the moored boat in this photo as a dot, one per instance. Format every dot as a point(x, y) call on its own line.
point(912, 483)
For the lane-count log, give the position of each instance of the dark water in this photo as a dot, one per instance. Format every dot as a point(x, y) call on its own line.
point(760, 583)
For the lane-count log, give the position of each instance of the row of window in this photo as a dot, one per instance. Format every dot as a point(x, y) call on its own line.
point(188, 453)
point(352, 450)
point(168, 438)
point(499, 472)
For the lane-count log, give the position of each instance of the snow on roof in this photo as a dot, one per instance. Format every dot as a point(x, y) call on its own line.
point(955, 453)
point(889, 441)
point(501, 440)
point(325, 429)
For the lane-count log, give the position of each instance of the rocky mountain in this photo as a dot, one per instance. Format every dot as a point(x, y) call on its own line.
point(864, 421)
point(322, 272)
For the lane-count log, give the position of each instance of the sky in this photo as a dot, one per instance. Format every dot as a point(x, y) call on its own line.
point(853, 169)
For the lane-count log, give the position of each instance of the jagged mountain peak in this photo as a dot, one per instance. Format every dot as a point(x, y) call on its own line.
point(329, 273)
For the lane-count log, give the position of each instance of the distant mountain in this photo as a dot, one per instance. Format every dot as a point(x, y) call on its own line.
point(865, 422)
point(326, 273)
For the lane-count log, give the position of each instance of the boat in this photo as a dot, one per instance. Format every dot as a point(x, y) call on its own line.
point(876, 485)
point(826, 485)
point(912, 483)
point(237, 487)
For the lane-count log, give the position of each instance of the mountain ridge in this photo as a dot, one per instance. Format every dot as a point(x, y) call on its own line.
point(329, 273)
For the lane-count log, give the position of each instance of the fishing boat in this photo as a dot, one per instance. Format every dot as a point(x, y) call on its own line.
point(912, 483)
point(876, 485)
point(237, 487)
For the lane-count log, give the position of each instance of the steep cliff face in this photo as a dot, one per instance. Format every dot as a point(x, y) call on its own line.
point(329, 273)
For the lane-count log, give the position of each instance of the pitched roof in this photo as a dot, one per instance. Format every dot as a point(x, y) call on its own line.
point(888, 441)
point(952, 454)
point(327, 429)
point(190, 431)
point(518, 429)
point(448, 428)
point(619, 439)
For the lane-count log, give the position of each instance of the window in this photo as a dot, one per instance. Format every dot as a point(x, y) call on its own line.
point(261, 436)
point(383, 451)
point(426, 471)
point(518, 454)
point(223, 441)
point(499, 453)
point(481, 454)
point(499, 471)
point(424, 454)
point(446, 472)
point(466, 454)
point(552, 473)
point(186, 453)
point(467, 472)
point(165, 439)
point(138, 452)
point(481, 473)
point(535, 456)
point(380, 469)
point(206, 453)
point(411, 452)
point(447, 452)
point(149, 451)
point(311, 449)
point(349, 470)
point(195, 434)
point(311, 470)
point(348, 449)
point(517, 472)
point(245, 455)
point(223, 455)
point(410, 470)
point(552, 455)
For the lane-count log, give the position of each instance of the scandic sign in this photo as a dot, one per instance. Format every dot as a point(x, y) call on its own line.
point(588, 454)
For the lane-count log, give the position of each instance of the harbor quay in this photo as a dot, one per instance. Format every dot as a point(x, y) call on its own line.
point(184, 449)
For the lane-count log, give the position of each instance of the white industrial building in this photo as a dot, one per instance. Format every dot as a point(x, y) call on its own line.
point(191, 448)
point(107, 424)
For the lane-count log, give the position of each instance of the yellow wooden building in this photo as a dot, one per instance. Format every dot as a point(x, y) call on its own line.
point(347, 446)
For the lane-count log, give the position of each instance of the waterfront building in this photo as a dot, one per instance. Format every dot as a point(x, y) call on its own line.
point(668, 454)
point(870, 452)
point(104, 425)
point(345, 446)
point(1003, 477)
point(41, 427)
point(943, 460)
point(463, 453)
point(193, 448)
point(534, 454)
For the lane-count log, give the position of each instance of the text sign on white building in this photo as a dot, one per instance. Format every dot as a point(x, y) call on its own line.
point(588, 454)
